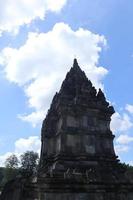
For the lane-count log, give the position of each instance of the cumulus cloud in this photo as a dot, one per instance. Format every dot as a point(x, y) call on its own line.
point(124, 139)
point(15, 13)
point(121, 149)
point(33, 118)
point(28, 144)
point(129, 108)
point(22, 145)
point(3, 158)
point(121, 123)
point(40, 65)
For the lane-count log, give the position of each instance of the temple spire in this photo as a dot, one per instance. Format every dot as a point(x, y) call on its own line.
point(75, 64)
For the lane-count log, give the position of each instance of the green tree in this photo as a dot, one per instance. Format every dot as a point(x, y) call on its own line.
point(29, 163)
point(11, 168)
point(128, 170)
point(12, 162)
point(1, 177)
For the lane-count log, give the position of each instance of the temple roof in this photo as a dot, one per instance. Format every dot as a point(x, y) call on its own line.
point(76, 96)
point(76, 89)
point(75, 81)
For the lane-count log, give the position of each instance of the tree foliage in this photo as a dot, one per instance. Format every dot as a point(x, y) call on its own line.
point(11, 168)
point(129, 171)
point(29, 163)
point(26, 167)
point(12, 162)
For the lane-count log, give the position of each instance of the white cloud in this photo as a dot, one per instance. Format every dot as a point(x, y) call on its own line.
point(129, 108)
point(28, 144)
point(121, 122)
point(33, 118)
point(53, 5)
point(3, 158)
point(40, 65)
point(121, 149)
point(22, 145)
point(124, 139)
point(15, 13)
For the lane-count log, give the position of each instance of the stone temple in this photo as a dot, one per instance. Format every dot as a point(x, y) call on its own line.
point(78, 161)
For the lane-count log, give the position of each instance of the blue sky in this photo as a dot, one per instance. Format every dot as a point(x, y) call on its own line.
point(38, 42)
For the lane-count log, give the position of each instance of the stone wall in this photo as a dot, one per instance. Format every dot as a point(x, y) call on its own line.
point(88, 196)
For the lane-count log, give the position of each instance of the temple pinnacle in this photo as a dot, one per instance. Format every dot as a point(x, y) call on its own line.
point(75, 63)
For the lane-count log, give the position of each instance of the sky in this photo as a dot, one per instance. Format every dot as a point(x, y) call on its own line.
point(39, 40)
